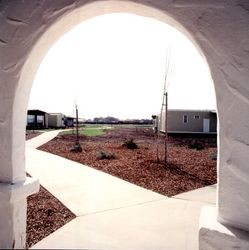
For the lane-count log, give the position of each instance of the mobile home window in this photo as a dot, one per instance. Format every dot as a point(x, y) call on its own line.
point(196, 117)
point(31, 119)
point(40, 119)
point(185, 119)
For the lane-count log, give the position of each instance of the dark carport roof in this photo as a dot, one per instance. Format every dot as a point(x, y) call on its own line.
point(36, 112)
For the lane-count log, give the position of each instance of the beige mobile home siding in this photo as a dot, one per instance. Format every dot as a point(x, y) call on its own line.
point(193, 125)
point(56, 120)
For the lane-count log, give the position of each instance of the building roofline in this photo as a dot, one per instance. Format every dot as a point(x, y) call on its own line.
point(194, 110)
point(56, 114)
point(36, 110)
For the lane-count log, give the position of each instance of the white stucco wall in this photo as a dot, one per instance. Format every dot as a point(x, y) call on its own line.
point(219, 28)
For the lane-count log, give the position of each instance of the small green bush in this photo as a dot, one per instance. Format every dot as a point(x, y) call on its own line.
point(196, 145)
point(130, 144)
point(76, 148)
point(213, 156)
point(103, 155)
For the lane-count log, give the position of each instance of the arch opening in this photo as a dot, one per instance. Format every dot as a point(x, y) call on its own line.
point(77, 16)
point(126, 64)
point(160, 96)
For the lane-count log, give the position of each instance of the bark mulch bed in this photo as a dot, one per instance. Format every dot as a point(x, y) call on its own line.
point(45, 215)
point(31, 134)
point(191, 159)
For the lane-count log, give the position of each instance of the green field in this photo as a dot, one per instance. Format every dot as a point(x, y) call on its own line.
point(90, 130)
point(99, 129)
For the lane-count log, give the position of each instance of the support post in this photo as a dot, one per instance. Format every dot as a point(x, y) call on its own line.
point(77, 147)
point(166, 130)
point(77, 125)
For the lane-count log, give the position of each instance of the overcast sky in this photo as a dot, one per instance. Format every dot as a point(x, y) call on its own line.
point(115, 65)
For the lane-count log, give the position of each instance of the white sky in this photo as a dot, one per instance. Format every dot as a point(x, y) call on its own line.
point(114, 65)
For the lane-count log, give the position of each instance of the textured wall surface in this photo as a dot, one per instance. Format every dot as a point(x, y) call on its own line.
point(219, 28)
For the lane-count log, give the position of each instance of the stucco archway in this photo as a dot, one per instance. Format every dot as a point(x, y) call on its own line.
point(29, 28)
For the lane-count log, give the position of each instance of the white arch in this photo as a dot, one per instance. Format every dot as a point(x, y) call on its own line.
point(42, 23)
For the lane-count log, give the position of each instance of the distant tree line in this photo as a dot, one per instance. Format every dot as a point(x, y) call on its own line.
point(114, 120)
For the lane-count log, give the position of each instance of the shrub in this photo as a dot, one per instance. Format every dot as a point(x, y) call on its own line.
point(105, 155)
point(130, 144)
point(76, 148)
point(196, 145)
point(213, 156)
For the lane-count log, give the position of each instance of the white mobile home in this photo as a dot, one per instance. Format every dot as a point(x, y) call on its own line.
point(189, 121)
point(56, 120)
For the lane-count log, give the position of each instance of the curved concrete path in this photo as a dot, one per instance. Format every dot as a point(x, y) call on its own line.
point(112, 213)
point(42, 138)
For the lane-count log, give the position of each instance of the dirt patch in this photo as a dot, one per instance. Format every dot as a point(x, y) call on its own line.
point(187, 168)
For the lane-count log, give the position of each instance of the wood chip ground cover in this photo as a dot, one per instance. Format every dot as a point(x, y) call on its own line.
point(45, 214)
point(187, 169)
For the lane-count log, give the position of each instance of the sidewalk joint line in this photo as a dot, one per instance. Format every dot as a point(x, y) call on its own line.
point(185, 199)
point(118, 208)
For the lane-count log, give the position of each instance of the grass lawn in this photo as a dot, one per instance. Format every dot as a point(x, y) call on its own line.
point(90, 130)
point(98, 129)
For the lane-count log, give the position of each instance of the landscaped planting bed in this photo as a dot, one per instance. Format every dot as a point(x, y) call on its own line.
point(31, 134)
point(45, 215)
point(187, 167)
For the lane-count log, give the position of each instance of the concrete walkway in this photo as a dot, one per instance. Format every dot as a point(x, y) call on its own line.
point(112, 213)
point(42, 139)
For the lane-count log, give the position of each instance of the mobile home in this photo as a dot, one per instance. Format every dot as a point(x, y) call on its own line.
point(69, 121)
point(56, 120)
point(37, 119)
point(189, 121)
